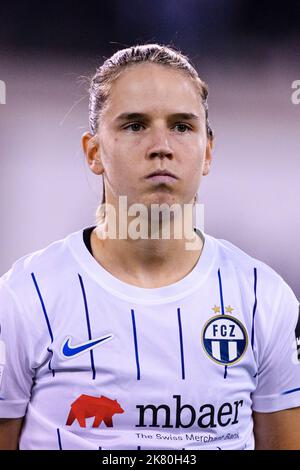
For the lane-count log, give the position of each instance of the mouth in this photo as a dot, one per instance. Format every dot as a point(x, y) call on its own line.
point(162, 176)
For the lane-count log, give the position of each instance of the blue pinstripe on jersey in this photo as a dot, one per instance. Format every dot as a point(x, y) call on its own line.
point(88, 324)
point(181, 345)
point(222, 307)
point(135, 346)
point(59, 439)
point(254, 307)
point(293, 390)
point(46, 318)
point(221, 291)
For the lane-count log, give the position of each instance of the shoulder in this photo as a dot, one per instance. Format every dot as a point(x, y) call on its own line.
point(51, 262)
point(248, 270)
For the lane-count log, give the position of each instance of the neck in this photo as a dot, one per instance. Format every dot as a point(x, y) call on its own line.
point(147, 262)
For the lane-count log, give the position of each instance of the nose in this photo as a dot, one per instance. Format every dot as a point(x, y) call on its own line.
point(159, 146)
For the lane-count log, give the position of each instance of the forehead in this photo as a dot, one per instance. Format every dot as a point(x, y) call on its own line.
point(153, 87)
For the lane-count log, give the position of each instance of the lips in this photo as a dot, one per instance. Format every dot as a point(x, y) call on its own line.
point(161, 179)
point(162, 174)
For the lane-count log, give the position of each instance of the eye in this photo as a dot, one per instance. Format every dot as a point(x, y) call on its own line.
point(135, 127)
point(182, 128)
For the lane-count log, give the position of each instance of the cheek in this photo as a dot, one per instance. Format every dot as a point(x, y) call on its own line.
point(117, 159)
point(191, 154)
point(193, 164)
point(194, 144)
point(110, 153)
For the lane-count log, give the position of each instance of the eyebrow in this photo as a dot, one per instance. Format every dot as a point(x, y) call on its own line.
point(143, 116)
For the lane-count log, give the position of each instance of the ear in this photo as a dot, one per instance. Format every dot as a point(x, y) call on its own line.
point(91, 148)
point(208, 156)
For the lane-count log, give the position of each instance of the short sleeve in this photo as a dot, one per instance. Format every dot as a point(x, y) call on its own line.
point(16, 376)
point(278, 385)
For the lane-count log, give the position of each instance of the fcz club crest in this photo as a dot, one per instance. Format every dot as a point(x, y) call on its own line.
point(224, 339)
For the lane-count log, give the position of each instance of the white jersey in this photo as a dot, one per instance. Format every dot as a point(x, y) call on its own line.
point(96, 363)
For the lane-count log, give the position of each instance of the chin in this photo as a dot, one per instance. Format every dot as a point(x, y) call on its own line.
point(162, 198)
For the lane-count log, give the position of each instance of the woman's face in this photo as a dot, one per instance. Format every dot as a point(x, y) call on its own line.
point(153, 120)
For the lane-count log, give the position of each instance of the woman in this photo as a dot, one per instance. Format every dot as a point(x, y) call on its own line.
point(120, 337)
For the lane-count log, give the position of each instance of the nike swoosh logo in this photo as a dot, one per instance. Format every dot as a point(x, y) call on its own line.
point(69, 350)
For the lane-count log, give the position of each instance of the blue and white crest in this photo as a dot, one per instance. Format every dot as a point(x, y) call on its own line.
point(224, 339)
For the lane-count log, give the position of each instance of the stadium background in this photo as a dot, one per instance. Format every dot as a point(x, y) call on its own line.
point(247, 51)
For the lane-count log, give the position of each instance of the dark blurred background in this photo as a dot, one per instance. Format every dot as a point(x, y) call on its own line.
point(247, 51)
point(199, 26)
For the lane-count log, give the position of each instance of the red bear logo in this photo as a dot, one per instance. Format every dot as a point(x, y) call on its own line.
point(102, 408)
